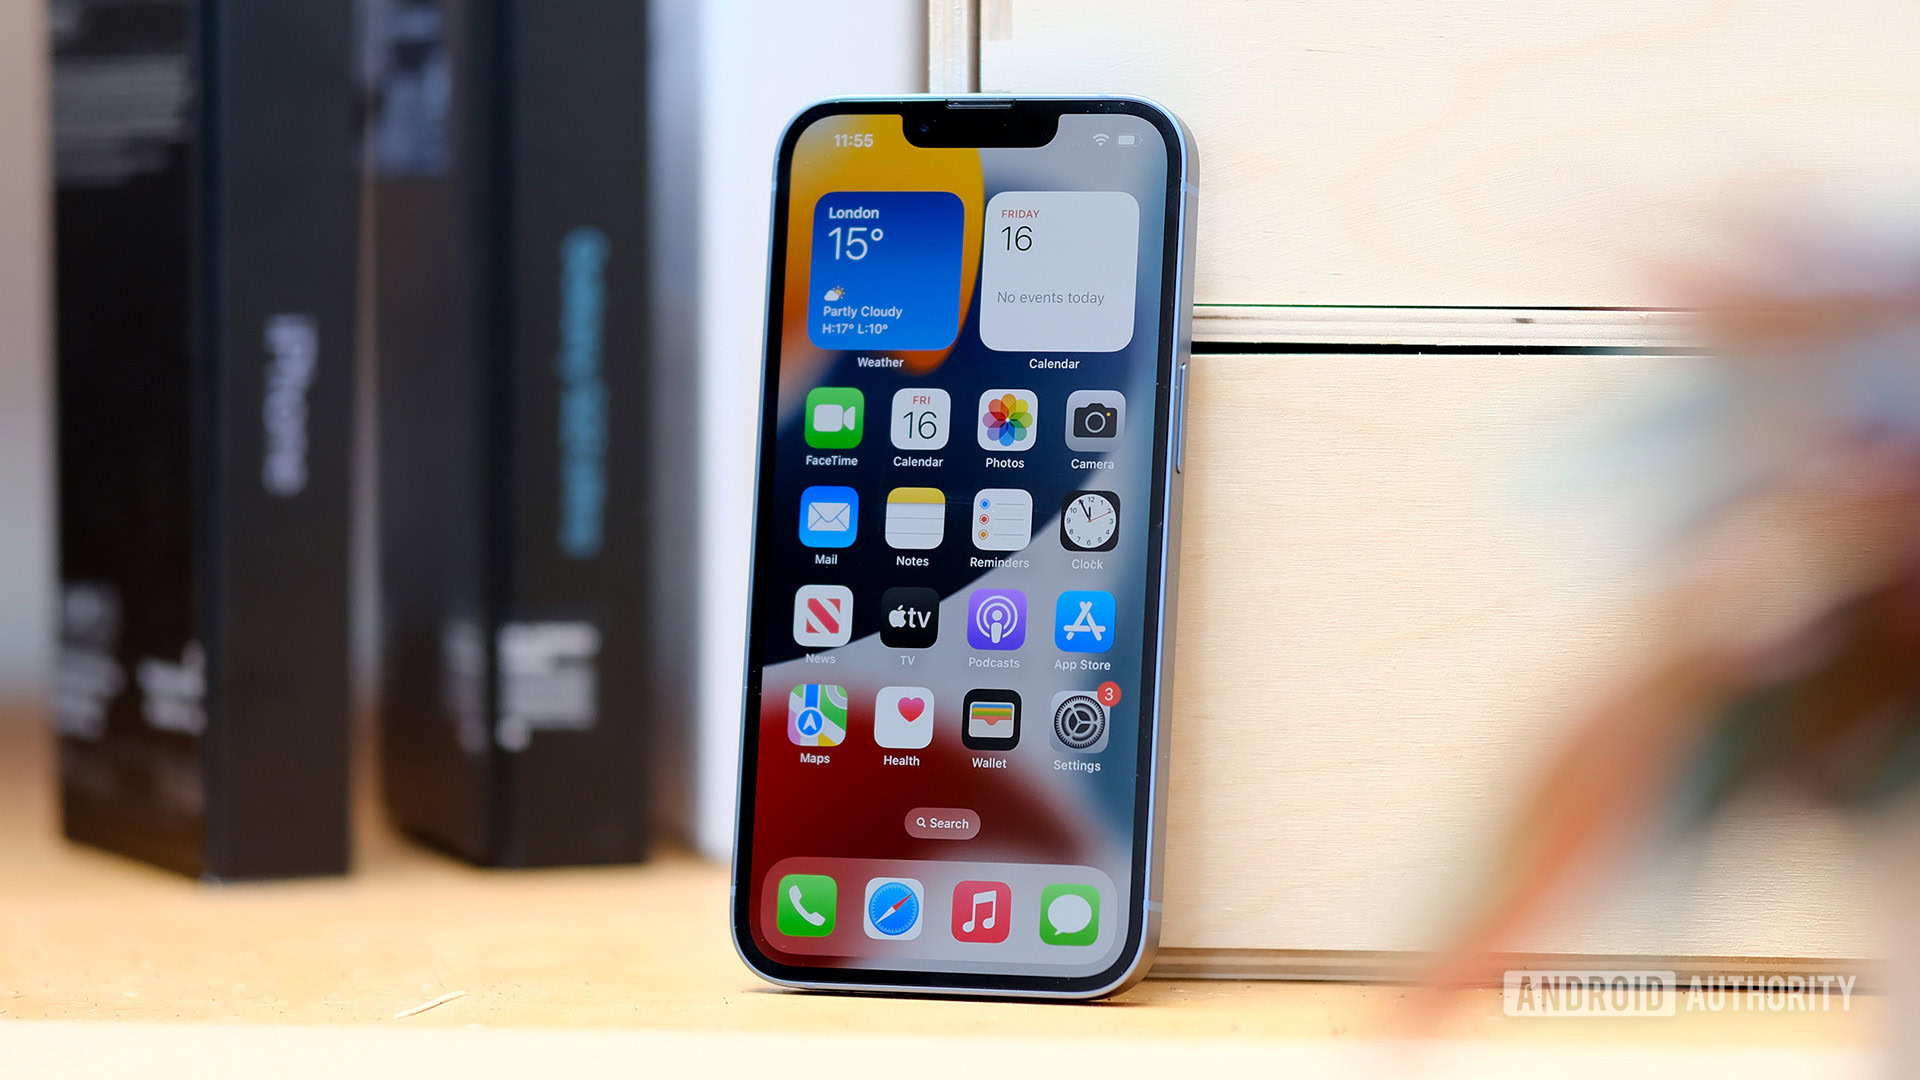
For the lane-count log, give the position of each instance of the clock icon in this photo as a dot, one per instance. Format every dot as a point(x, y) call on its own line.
point(1090, 521)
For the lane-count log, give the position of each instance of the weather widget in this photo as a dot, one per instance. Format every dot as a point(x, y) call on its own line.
point(886, 270)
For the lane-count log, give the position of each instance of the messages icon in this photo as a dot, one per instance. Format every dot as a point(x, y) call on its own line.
point(1069, 914)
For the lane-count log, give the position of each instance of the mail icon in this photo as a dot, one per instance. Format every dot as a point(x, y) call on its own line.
point(829, 516)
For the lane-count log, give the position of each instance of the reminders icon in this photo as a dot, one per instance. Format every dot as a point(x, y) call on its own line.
point(1002, 519)
point(916, 517)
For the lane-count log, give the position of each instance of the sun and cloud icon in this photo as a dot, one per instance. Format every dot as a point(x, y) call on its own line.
point(835, 293)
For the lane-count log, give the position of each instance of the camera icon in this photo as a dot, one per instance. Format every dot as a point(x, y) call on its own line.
point(1095, 419)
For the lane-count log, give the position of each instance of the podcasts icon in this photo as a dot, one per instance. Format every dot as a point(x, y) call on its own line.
point(997, 619)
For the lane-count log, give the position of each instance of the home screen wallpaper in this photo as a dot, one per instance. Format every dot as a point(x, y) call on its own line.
point(951, 576)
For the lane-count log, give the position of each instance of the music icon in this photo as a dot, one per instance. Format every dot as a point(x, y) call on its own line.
point(981, 911)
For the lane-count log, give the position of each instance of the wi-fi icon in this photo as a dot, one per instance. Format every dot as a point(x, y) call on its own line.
point(1100, 138)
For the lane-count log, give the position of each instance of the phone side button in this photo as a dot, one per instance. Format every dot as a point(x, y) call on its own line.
point(1180, 418)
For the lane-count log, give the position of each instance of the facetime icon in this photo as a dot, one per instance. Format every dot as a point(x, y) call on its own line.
point(834, 417)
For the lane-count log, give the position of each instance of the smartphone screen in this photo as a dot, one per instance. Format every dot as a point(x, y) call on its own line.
point(955, 644)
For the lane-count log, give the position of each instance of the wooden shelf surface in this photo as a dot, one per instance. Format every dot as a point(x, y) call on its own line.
point(86, 936)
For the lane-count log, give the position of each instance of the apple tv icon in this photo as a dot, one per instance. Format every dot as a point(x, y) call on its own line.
point(909, 617)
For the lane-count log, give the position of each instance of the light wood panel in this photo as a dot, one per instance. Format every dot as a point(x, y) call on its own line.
point(1508, 153)
point(1394, 590)
point(1489, 329)
point(953, 46)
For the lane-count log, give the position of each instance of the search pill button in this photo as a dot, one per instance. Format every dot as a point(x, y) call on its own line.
point(942, 823)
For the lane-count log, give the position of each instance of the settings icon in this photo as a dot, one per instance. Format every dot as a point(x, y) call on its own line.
point(1079, 722)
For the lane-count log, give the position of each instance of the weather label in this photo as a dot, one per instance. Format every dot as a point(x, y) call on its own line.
point(886, 270)
point(1058, 271)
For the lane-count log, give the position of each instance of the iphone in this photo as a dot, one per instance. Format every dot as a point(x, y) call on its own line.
point(960, 644)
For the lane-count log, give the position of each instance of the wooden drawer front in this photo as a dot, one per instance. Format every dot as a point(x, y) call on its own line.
point(1388, 610)
point(1518, 153)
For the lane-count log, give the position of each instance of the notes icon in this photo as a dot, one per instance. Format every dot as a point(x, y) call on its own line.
point(981, 911)
point(916, 517)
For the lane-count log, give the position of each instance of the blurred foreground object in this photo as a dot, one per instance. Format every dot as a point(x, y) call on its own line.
point(1792, 616)
point(518, 715)
point(206, 211)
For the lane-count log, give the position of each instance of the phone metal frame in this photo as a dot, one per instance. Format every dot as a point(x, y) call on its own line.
point(1142, 929)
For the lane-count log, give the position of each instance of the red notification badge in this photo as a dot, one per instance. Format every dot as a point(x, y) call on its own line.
point(1108, 693)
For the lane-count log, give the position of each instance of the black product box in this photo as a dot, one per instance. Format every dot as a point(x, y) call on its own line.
point(508, 144)
point(206, 215)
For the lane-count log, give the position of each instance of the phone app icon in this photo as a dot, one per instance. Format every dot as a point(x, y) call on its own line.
point(822, 615)
point(1083, 621)
point(997, 619)
point(912, 617)
point(992, 720)
point(817, 715)
point(903, 717)
point(894, 906)
point(916, 518)
point(921, 417)
point(1095, 419)
point(834, 415)
point(1008, 419)
point(829, 516)
point(982, 911)
point(807, 905)
point(1090, 521)
point(1079, 722)
point(1069, 915)
point(1002, 519)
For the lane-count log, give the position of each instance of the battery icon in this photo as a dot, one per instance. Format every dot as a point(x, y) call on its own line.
point(1128, 138)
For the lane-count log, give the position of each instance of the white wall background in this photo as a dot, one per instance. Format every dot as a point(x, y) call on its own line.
point(727, 76)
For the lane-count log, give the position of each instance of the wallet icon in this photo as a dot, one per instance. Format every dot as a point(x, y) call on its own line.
point(829, 516)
